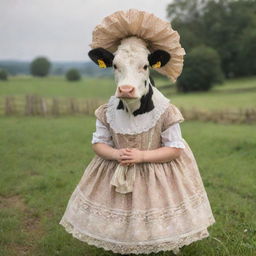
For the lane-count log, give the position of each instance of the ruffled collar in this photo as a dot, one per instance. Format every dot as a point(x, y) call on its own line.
point(122, 122)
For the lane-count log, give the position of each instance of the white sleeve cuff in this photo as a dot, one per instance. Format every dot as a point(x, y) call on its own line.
point(102, 134)
point(172, 137)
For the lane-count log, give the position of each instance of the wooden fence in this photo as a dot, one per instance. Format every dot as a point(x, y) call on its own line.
point(221, 116)
point(35, 105)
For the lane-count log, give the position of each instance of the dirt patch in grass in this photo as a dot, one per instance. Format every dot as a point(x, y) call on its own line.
point(30, 225)
point(14, 201)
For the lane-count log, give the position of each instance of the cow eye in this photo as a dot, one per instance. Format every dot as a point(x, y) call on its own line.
point(145, 67)
point(115, 67)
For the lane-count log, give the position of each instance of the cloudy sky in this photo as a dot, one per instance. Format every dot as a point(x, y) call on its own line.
point(58, 29)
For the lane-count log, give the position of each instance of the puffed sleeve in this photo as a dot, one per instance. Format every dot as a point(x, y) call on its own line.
point(171, 133)
point(102, 134)
point(172, 137)
point(100, 114)
point(171, 116)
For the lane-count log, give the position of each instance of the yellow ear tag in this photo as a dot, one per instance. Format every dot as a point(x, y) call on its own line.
point(157, 65)
point(102, 63)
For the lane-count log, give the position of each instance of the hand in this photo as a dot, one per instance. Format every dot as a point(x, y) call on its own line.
point(119, 153)
point(132, 156)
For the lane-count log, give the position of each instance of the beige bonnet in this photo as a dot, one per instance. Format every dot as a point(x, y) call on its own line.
point(157, 33)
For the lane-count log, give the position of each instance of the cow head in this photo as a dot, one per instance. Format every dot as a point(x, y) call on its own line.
point(131, 64)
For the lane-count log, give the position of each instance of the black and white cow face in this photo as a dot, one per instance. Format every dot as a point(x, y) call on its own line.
point(131, 69)
point(131, 64)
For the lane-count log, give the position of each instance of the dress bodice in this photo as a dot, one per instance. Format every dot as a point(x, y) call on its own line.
point(146, 140)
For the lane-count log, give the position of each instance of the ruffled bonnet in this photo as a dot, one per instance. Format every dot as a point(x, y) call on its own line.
point(157, 33)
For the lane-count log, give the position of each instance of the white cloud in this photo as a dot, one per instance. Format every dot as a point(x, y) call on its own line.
point(58, 29)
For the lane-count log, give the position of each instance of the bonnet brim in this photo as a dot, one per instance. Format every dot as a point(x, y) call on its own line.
point(157, 33)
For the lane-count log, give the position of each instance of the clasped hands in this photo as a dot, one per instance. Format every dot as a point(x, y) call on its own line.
point(129, 156)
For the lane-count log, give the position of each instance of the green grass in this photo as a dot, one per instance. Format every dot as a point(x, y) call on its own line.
point(101, 88)
point(58, 87)
point(241, 83)
point(42, 160)
point(232, 95)
point(216, 101)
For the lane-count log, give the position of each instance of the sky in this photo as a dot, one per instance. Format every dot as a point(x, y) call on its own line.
point(60, 30)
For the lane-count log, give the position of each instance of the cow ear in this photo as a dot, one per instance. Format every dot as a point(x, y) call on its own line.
point(158, 58)
point(101, 57)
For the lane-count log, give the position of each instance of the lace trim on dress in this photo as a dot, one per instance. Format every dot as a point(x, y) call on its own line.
point(121, 122)
point(142, 247)
point(174, 144)
point(80, 202)
point(102, 140)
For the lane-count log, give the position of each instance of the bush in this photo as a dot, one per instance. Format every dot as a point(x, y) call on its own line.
point(245, 64)
point(202, 69)
point(40, 67)
point(3, 75)
point(73, 75)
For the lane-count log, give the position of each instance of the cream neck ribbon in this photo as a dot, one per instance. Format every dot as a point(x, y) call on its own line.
point(124, 178)
point(124, 175)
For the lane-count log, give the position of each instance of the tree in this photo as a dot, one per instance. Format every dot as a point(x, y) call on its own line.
point(3, 75)
point(73, 75)
point(220, 24)
point(40, 67)
point(245, 63)
point(186, 10)
point(201, 70)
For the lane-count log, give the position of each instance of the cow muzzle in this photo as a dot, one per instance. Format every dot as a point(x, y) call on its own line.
point(125, 91)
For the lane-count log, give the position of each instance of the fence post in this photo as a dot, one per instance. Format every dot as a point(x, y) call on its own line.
point(55, 107)
point(73, 106)
point(42, 106)
point(9, 105)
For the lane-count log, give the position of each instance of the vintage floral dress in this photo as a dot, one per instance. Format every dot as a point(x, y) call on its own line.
point(168, 206)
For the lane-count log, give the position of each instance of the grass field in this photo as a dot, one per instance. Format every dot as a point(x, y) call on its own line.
point(42, 160)
point(232, 95)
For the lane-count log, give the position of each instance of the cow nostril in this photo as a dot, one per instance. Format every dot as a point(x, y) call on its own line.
point(126, 88)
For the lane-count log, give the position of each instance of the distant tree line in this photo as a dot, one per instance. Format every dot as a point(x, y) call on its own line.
point(3, 75)
point(41, 67)
point(58, 68)
point(226, 26)
point(218, 36)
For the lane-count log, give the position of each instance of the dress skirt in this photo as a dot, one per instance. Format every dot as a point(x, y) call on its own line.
point(167, 209)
